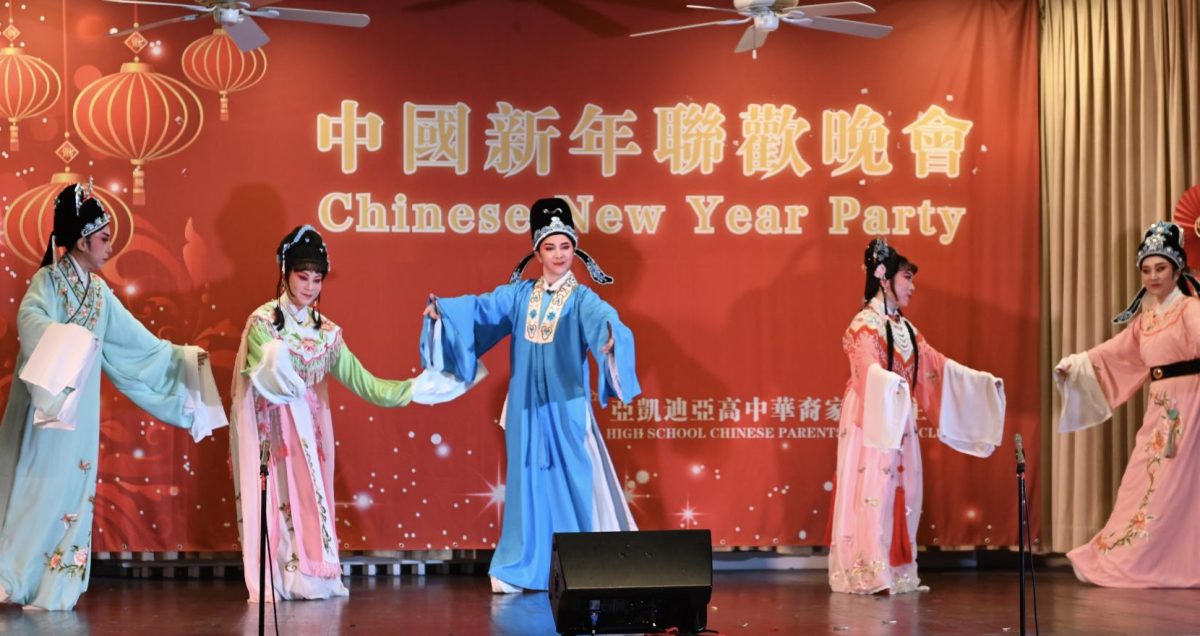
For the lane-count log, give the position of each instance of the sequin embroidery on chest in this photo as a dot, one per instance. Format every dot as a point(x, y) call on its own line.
point(542, 332)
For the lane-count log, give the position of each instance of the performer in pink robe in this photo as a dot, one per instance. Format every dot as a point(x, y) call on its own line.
point(877, 499)
point(1151, 538)
point(281, 414)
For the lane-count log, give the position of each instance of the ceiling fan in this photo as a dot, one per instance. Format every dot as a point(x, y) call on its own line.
point(237, 18)
point(765, 16)
point(575, 11)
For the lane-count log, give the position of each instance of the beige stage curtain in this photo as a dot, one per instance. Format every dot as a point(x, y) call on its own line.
point(1120, 111)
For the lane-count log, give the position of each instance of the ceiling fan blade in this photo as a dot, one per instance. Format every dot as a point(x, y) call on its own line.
point(334, 18)
point(831, 8)
point(708, 8)
point(190, 7)
point(752, 39)
point(848, 27)
point(152, 25)
point(595, 22)
point(433, 5)
point(691, 26)
point(254, 4)
point(643, 4)
point(247, 35)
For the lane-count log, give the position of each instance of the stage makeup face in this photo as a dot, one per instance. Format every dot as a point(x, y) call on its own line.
point(1159, 276)
point(901, 288)
point(93, 251)
point(304, 287)
point(556, 254)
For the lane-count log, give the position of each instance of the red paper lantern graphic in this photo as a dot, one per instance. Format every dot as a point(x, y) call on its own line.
point(215, 63)
point(28, 86)
point(138, 115)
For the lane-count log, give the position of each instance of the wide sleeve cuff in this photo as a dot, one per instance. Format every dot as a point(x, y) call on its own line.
point(274, 377)
point(618, 377)
point(435, 387)
point(1083, 401)
point(437, 384)
point(614, 376)
point(887, 406)
point(972, 410)
point(203, 402)
point(448, 343)
point(55, 372)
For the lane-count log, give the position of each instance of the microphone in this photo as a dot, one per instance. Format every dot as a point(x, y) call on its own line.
point(1020, 451)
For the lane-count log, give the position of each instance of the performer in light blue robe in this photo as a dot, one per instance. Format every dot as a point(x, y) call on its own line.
point(70, 326)
point(560, 477)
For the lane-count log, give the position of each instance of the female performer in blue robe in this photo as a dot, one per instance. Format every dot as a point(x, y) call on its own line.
point(560, 477)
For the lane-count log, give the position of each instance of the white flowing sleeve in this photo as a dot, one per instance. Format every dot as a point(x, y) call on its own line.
point(435, 385)
point(972, 410)
point(203, 400)
point(887, 405)
point(61, 362)
point(274, 377)
point(1083, 401)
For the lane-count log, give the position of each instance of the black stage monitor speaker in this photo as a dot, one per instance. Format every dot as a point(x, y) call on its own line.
point(622, 582)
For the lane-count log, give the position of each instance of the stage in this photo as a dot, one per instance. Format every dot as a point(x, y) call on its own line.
point(743, 603)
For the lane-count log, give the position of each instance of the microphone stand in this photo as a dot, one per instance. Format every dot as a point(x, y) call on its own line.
point(1022, 523)
point(263, 538)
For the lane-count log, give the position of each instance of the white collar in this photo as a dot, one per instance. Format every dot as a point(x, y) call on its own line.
point(558, 283)
point(1159, 308)
point(877, 304)
point(300, 314)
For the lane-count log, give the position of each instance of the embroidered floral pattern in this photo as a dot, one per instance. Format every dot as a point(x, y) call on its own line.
point(72, 563)
point(861, 576)
point(270, 435)
point(868, 330)
point(904, 583)
point(72, 291)
point(312, 355)
point(1164, 436)
point(314, 405)
point(322, 508)
point(1152, 321)
point(286, 510)
point(542, 332)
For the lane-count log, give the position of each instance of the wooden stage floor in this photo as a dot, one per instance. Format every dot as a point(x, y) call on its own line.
point(744, 603)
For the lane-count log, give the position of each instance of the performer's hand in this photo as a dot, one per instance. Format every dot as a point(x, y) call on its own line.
point(608, 346)
point(1061, 372)
point(202, 357)
point(431, 309)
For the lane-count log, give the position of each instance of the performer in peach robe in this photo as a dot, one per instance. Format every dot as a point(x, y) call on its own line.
point(1150, 540)
point(877, 499)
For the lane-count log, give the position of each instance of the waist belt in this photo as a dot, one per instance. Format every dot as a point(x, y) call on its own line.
point(1187, 367)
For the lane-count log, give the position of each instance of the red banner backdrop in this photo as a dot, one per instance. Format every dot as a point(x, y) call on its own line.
point(731, 198)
